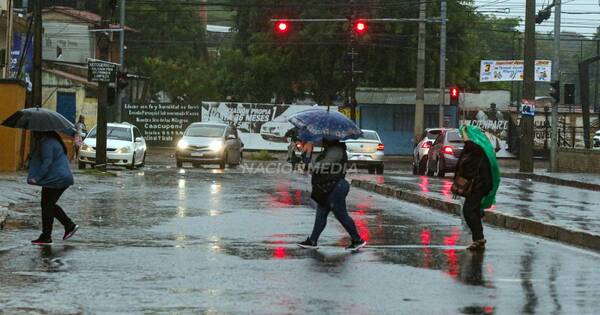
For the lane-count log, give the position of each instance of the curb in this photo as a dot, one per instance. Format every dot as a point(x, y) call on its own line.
point(495, 218)
point(553, 180)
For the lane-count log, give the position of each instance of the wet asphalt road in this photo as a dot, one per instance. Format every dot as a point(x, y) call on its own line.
point(162, 240)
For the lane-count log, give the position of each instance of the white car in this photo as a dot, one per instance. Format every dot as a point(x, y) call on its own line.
point(596, 140)
point(366, 152)
point(125, 146)
point(276, 129)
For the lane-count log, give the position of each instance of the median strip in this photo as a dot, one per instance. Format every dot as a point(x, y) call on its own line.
point(492, 217)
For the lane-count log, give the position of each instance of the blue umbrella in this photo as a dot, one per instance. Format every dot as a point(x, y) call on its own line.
point(316, 125)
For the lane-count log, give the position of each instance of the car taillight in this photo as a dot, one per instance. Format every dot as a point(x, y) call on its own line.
point(426, 145)
point(448, 150)
point(380, 147)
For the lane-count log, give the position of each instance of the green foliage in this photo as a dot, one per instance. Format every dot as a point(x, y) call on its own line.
point(261, 156)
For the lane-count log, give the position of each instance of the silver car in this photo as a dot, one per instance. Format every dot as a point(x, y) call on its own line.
point(210, 143)
point(366, 152)
point(420, 153)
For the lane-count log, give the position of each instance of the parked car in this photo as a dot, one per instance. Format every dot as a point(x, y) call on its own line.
point(125, 146)
point(597, 140)
point(443, 155)
point(366, 152)
point(422, 149)
point(210, 143)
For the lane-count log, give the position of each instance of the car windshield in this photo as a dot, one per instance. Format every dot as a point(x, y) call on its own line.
point(114, 133)
point(432, 134)
point(370, 135)
point(454, 137)
point(206, 131)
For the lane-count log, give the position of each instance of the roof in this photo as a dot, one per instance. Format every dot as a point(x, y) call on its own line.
point(71, 76)
point(218, 28)
point(84, 16)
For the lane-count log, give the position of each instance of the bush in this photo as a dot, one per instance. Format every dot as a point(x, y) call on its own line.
point(261, 156)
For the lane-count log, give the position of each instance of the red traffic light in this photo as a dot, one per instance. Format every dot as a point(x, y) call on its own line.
point(360, 27)
point(454, 95)
point(282, 27)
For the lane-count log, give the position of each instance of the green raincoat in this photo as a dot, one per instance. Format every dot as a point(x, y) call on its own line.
point(478, 137)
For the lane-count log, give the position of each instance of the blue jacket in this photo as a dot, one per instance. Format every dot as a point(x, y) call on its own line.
point(49, 166)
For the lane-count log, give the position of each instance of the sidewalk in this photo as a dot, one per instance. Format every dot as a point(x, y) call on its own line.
point(13, 190)
point(561, 213)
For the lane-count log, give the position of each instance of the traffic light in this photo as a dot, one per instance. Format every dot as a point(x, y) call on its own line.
point(282, 27)
point(454, 95)
point(555, 91)
point(570, 93)
point(122, 80)
point(360, 27)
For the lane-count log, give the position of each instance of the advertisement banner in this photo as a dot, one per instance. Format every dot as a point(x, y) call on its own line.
point(261, 126)
point(512, 70)
point(496, 126)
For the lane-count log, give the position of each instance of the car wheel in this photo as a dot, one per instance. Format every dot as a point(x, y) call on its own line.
point(132, 166)
point(428, 170)
point(423, 165)
point(379, 170)
point(440, 168)
point(179, 163)
point(143, 160)
point(415, 169)
point(81, 165)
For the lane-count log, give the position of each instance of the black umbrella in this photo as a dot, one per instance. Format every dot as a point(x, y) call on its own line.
point(38, 119)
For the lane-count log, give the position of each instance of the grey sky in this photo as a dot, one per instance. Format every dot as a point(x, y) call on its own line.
point(581, 16)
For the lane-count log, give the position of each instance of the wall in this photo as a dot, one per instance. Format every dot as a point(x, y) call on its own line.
point(579, 160)
point(12, 141)
point(74, 39)
point(85, 106)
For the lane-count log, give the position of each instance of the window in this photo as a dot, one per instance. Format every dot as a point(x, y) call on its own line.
point(205, 131)
point(370, 135)
point(136, 133)
point(114, 133)
point(454, 137)
point(439, 139)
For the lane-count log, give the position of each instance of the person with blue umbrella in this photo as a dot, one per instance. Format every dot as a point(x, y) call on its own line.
point(329, 186)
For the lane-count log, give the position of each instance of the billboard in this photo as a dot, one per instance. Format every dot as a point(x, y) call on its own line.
point(261, 126)
point(512, 70)
point(495, 124)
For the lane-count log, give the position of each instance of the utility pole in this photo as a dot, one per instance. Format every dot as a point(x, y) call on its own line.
point(526, 126)
point(555, 77)
point(119, 92)
point(420, 87)
point(442, 63)
point(103, 52)
point(9, 32)
point(37, 54)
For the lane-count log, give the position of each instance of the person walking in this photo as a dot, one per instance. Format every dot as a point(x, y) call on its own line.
point(477, 179)
point(329, 190)
point(80, 130)
point(49, 168)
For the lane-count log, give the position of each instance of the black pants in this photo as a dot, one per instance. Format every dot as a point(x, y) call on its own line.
point(472, 214)
point(51, 210)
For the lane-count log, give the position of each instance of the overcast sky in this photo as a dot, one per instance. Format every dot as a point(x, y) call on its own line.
point(581, 16)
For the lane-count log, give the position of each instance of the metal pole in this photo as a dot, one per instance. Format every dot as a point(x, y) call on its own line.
point(119, 93)
point(555, 77)
point(103, 47)
point(9, 32)
point(420, 87)
point(442, 64)
point(526, 147)
point(37, 54)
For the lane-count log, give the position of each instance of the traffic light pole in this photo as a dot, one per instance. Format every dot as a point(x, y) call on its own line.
point(442, 64)
point(555, 77)
point(103, 48)
point(420, 88)
point(526, 126)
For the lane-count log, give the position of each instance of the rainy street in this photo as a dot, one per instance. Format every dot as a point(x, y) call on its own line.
point(168, 240)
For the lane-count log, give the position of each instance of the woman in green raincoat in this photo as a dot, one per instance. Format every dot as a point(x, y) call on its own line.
point(478, 163)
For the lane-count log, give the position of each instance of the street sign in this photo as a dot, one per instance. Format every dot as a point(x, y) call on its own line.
point(101, 71)
point(527, 108)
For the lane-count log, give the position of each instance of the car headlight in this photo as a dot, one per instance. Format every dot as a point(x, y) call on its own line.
point(182, 144)
point(122, 150)
point(215, 146)
point(86, 148)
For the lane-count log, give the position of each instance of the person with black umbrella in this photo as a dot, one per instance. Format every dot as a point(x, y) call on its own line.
point(48, 166)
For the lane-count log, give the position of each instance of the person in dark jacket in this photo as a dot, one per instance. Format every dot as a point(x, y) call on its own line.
point(474, 165)
point(329, 190)
point(49, 168)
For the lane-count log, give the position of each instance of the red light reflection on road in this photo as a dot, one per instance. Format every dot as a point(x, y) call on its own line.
point(279, 253)
point(451, 258)
point(424, 184)
point(426, 241)
point(362, 225)
point(488, 309)
point(447, 189)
